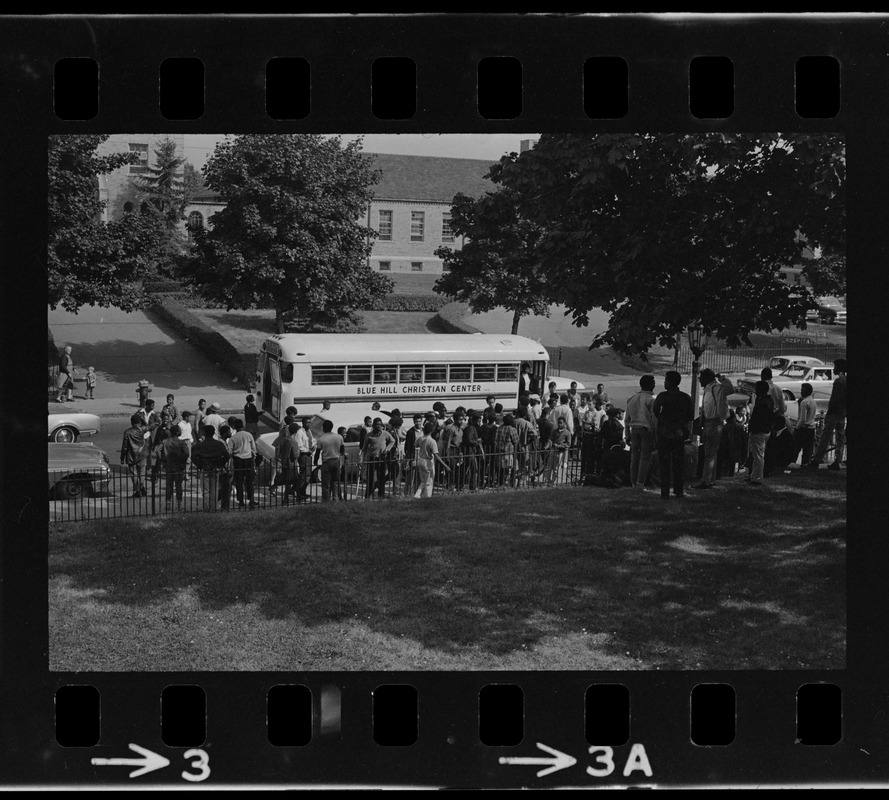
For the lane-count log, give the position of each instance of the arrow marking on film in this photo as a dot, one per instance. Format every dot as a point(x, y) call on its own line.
point(148, 763)
point(561, 760)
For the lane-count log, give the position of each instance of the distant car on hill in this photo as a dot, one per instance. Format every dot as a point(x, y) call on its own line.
point(830, 310)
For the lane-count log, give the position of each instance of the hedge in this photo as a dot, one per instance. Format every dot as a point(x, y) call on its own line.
point(409, 302)
point(211, 343)
point(449, 319)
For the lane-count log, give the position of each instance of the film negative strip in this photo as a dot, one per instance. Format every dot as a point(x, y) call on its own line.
point(502, 639)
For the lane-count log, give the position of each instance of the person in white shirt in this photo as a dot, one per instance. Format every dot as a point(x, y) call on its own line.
point(804, 433)
point(243, 452)
point(714, 411)
point(305, 442)
point(639, 430)
point(563, 411)
point(214, 418)
point(427, 455)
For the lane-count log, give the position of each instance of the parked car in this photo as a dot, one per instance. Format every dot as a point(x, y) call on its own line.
point(830, 310)
point(68, 425)
point(779, 363)
point(76, 469)
point(790, 380)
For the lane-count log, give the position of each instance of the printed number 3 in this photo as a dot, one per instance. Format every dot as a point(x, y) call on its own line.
point(201, 763)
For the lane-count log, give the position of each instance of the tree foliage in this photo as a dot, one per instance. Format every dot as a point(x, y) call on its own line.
point(192, 182)
point(663, 231)
point(498, 266)
point(90, 262)
point(289, 236)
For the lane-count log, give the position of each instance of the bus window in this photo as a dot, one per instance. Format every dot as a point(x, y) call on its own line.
point(358, 375)
point(483, 373)
point(286, 372)
point(461, 372)
point(436, 373)
point(411, 373)
point(387, 373)
point(507, 372)
point(325, 376)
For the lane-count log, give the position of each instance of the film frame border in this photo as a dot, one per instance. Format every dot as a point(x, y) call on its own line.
point(552, 51)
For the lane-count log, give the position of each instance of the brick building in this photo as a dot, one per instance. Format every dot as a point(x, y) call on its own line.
point(116, 189)
point(410, 210)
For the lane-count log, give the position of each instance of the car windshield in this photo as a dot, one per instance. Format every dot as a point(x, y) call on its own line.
point(778, 363)
point(795, 371)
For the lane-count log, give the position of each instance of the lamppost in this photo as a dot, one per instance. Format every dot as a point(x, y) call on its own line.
point(697, 343)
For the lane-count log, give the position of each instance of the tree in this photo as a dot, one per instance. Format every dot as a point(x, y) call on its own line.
point(89, 262)
point(498, 265)
point(164, 196)
point(163, 185)
point(663, 231)
point(192, 183)
point(289, 236)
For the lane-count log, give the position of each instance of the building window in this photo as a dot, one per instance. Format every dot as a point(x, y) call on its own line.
point(447, 234)
point(416, 266)
point(418, 225)
point(195, 221)
point(385, 226)
point(140, 150)
point(385, 266)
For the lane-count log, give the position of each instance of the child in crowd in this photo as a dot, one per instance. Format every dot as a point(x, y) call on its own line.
point(251, 417)
point(91, 381)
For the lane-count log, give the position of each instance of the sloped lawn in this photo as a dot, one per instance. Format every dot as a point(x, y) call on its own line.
point(576, 578)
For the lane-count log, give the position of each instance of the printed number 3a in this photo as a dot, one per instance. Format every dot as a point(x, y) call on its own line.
point(201, 763)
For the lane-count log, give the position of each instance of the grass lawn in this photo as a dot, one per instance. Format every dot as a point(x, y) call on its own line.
point(573, 579)
point(246, 330)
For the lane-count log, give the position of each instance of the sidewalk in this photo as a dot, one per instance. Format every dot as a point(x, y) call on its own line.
point(230, 402)
point(126, 347)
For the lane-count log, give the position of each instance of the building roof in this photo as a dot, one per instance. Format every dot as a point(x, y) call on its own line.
point(430, 178)
point(424, 178)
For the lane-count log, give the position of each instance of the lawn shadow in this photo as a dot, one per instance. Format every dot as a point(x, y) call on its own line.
point(671, 588)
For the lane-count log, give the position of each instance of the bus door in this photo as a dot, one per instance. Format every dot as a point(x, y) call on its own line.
point(538, 372)
point(271, 388)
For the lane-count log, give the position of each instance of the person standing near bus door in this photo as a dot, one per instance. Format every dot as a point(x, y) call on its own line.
point(330, 446)
point(305, 442)
point(374, 453)
point(427, 455)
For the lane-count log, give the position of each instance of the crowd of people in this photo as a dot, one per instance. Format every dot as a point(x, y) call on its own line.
point(547, 438)
point(166, 443)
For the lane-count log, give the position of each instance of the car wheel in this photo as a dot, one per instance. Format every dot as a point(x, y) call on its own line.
point(66, 434)
point(788, 395)
point(73, 489)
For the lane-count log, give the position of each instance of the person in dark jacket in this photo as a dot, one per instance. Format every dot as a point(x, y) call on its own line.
point(173, 456)
point(132, 453)
point(674, 412)
point(759, 430)
point(210, 456)
point(834, 419)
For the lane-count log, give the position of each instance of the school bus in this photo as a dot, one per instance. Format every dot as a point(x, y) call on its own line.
point(405, 371)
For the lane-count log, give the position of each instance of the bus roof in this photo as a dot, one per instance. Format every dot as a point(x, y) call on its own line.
point(403, 347)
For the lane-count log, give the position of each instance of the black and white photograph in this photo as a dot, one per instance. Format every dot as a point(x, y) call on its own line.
point(447, 402)
point(442, 401)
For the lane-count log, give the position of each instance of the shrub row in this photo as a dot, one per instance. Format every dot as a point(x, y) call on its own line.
point(409, 302)
point(449, 319)
point(211, 343)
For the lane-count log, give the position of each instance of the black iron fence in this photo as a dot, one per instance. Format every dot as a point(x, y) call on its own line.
point(148, 489)
point(723, 359)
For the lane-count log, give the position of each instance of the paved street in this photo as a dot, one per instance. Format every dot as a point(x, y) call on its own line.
point(126, 347)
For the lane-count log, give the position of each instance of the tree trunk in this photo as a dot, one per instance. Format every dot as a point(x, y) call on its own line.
point(516, 316)
point(279, 319)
